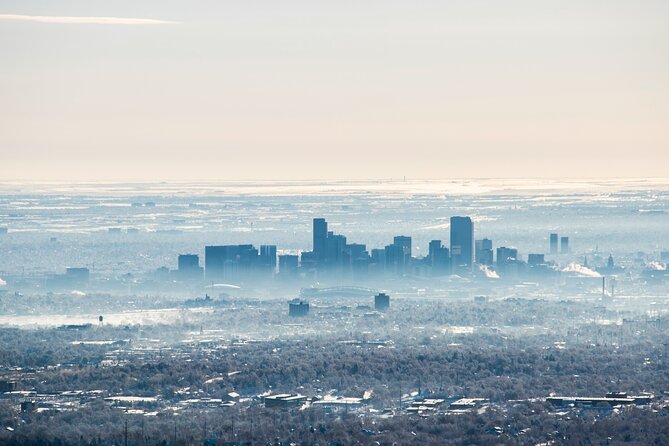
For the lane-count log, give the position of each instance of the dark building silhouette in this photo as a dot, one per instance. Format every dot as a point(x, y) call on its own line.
point(335, 246)
point(404, 243)
point(462, 242)
point(357, 259)
point(231, 262)
point(439, 258)
point(484, 252)
point(398, 255)
point(378, 261)
point(507, 260)
point(564, 245)
point(332, 254)
point(298, 308)
point(267, 260)
point(288, 266)
point(381, 302)
point(554, 243)
point(189, 266)
point(320, 230)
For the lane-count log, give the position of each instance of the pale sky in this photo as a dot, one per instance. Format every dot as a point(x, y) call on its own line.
point(346, 89)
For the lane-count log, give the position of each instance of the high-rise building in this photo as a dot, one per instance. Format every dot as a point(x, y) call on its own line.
point(554, 243)
point(398, 255)
point(439, 258)
point(564, 245)
point(378, 260)
point(188, 262)
point(507, 260)
point(405, 243)
point(462, 242)
point(267, 258)
point(394, 259)
point(484, 252)
point(189, 266)
point(335, 246)
point(288, 266)
point(320, 228)
point(230, 262)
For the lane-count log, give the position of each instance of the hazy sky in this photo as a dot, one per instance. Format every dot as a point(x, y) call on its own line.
point(166, 89)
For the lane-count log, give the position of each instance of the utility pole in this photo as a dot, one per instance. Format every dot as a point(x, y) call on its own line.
point(174, 439)
point(126, 433)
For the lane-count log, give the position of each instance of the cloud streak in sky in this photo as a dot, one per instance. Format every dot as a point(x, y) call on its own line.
point(85, 20)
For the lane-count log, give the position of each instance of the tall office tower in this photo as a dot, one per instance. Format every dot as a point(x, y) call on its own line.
point(564, 245)
point(507, 260)
point(189, 266)
point(356, 259)
point(393, 255)
point(440, 260)
point(214, 261)
point(229, 262)
point(268, 258)
point(433, 247)
point(335, 245)
point(320, 236)
point(378, 260)
point(554, 243)
point(483, 251)
point(288, 266)
point(188, 262)
point(404, 242)
point(462, 242)
point(404, 245)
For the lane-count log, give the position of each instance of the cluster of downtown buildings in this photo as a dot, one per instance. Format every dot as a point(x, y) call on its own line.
point(333, 256)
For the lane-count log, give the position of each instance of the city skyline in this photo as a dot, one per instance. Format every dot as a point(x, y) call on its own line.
point(344, 223)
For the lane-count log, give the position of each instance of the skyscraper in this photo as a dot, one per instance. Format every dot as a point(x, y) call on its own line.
point(507, 260)
point(229, 262)
point(554, 243)
point(403, 243)
point(267, 258)
point(439, 258)
point(462, 242)
point(484, 253)
point(288, 266)
point(564, 245)
point(189, 266)
point(320, 228)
